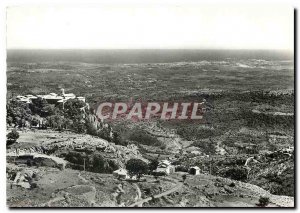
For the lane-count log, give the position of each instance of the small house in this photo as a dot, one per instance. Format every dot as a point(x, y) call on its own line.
point(165, 167)
point(121, 174)
point(195, 170)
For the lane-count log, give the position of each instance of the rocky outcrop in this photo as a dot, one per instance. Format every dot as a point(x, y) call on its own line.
point(37, 159)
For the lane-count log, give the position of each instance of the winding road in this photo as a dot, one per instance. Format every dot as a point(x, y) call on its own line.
point(174, 189)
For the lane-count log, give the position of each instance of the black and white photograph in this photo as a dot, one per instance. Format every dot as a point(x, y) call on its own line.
point(150, 105)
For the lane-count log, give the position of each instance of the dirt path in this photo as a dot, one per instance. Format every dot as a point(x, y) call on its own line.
point(139, 193)
point(48, 204)
point(174, 189)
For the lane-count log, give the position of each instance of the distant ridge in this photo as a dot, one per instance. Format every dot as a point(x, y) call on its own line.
point(140, 55)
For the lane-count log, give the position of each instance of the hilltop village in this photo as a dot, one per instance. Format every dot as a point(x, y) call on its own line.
point(51, 98)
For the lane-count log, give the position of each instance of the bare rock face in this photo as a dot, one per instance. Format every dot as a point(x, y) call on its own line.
point(55, 148)
point(228, 189)
point(22, 177)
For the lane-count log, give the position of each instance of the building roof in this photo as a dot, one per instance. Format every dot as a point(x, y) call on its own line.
point(69, 95)
point(120, 171)
point(159, 169)
point(195, 167)
point(30, 96)
point(51, 96)
point(166, 162)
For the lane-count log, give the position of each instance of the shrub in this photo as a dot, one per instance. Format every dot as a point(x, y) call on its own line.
point(143, 137)
point(183, 178)
point(118, 140)
point(12, 137)
point(263, 201)
point(93, 163)
point(191, 132)
point(33, 185)
point(232, 184)
point(236, 173)
point(207, 147)
point(104, 133)
point(75, 157)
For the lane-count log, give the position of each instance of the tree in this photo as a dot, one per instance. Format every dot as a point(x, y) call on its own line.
point(9, 120)
point(98, 163)
point(72, 109)
point(137, 167)
point(17, 111)
point(39, 106)
point(68, 123)
point(34, 121)
point(90, 128)
point(79, 127)
point(104, 133)
point(12, 137)
point(48, 110)
point(153, 165)
point(55, 121)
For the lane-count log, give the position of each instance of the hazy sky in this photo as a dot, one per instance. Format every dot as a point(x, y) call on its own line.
point(207, 26)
